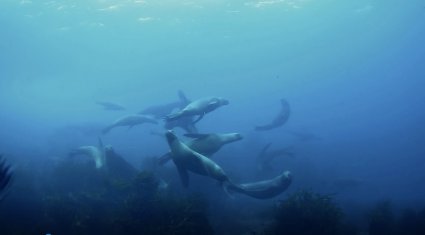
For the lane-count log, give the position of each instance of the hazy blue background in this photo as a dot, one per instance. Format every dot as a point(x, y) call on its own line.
point(352, 71)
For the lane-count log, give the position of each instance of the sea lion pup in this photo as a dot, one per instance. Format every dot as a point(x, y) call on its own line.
point(265, 189)
point(97, 153)
point(5, 176)
point(130, 121)
point(160, 111)
point(110, 106)
point(205, 144)
point(198, 107)
point(186, 160)
point(266, 157)
point(279, 120)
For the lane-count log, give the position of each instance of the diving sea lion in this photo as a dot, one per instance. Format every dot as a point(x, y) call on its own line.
point(95, 152)
point(205, 144)
point(160, 111)
point(5, 176)
point(265, 189)
point(198, 107)
point(186, 160)
point(110, 106)
point(279, 120)
point(265, 157)
point(130, 121)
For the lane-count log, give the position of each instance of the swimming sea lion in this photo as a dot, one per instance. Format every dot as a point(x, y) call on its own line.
point(266, 157)
point(279, 120)
point(110, 106)
point(186, 160)
point(160, 111)
point(198, 107)
point(205, 144)
point(265, 189)
point(130, 121)
point(97, 153)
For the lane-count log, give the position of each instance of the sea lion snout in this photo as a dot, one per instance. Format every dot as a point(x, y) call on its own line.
point(288, 174)
point(238, 136)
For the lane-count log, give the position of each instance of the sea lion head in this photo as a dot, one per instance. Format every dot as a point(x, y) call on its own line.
point(286, 178)
point(224, 101)
point(231, 137)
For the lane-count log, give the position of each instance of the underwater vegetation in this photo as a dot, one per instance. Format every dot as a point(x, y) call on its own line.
point(382, 220)
point(79, 200)
point(5, 175)
point(308, 213)
point(75, 198)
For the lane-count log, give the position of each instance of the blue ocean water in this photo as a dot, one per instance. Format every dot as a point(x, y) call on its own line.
point(353, 73)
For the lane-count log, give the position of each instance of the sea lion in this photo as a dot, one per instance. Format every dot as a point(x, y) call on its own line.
point(186, 123)
point(110, 106)
point(97, 153)
point(118, 167)
point(205, 144)
point(266, 157)
point(5, 176)
point(160, 111)
point(265, 189)
point(108, 160)
point(130, 121)
point(279, 120)
point(186, 160)
point(198, 107)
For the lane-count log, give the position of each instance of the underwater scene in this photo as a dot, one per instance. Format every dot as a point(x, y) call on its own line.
point(226, 117)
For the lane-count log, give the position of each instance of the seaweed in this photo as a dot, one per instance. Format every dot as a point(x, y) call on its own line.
point(307, 213)
point(75, 202)
point(5, 176)
point(381, 219)
point(412, 222)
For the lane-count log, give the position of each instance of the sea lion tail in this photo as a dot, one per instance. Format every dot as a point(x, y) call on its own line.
point(229, 188)
point(106, 129)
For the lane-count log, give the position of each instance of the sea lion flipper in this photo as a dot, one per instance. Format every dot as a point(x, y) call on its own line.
point(196, 135)
point(100, 142)
point(183, 99)
point(164, 159)
point(184, 176)
point(173, 116)
point(107, 129)
point(264, 150)
point(199, 118)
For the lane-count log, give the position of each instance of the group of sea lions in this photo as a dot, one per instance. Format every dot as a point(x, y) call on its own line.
point(195, 155)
